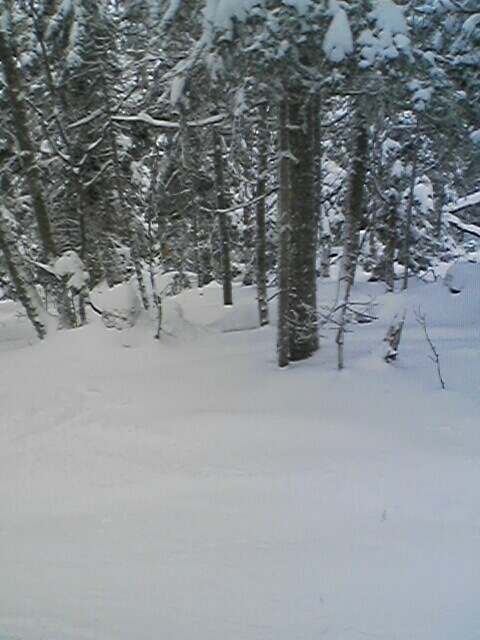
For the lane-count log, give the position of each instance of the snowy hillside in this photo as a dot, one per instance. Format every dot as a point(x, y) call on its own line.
point(188, 489)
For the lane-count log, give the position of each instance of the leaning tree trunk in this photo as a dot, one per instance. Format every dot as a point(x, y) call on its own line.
point(354, 215)
point(222, 218)
point(261, 261)
point(25, 291)
point(283, 344)
point(303, 329)
point(30, 169)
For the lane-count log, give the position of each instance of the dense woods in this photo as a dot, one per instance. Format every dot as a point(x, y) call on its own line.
point(234, 140)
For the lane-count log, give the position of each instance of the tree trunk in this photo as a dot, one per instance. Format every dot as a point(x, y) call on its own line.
point(247, 243)
point(24, 290)
point(303, 329)
point(222, 219)
point(283, 345)
point(31, 172)
point(261, 263)
point(191, 205)
point(322, 220)
point(354, 215)
point(391, 240)
point(408, 220)
point(122, 201)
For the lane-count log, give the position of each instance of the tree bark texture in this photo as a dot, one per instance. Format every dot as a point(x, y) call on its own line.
point(303, 325)
point(408, 220)
point(122, 201)
point(24, 290)
point(283, 344)
point(391, 240)
point(31, 172)
point(222, 219)
point(261, 262)
point(354, 216)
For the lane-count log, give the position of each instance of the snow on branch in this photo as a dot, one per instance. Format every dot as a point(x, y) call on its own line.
point(453, 220)
point(463, 203)
point(169, 124)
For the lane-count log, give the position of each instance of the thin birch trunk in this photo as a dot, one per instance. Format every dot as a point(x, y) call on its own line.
point(353, 218)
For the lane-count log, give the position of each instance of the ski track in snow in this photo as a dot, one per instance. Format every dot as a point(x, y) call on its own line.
point(188, 489)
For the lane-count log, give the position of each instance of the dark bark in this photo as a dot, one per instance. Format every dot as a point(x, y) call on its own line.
point(222, 219)
point(391, 240)
point(283, 345)
point(24, 290)
point(248, 244)
point(122, 201)
point(22, 134)
point(261, 262)
point(303, 325)
point(408, 220)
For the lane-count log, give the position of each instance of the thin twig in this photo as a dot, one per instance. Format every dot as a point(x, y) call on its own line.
point(422, 321)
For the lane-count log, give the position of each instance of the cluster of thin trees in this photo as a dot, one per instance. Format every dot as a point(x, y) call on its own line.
point(232, 140)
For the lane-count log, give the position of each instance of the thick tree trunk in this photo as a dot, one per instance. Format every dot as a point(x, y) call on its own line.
point(222, 219)
point(261, 262)
point(22, 134)
point(354, 215)
point(283, 344)
point(303, 329)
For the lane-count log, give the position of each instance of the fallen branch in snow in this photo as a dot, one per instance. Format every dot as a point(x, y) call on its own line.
point(96, 309)
point(422, 321)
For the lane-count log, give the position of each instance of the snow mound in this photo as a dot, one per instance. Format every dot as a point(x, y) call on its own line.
point(70, 265)
point(120, 305)
point(241, 317)
point(15, 328)
point(463, 276)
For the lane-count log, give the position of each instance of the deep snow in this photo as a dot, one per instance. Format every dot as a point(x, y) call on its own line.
point(187, 489)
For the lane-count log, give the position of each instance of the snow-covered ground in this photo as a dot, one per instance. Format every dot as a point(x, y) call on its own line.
point(188, 489)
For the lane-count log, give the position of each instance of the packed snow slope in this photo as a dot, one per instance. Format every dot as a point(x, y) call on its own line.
point(188, 489)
